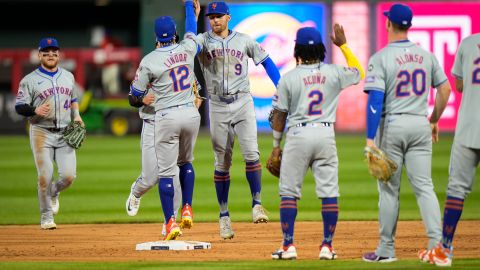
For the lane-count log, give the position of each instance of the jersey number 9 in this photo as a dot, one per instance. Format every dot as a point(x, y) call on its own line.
point(178, 76)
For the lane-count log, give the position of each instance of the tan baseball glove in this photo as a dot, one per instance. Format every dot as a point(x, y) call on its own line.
point(198, 99)
point(275, 161)
point(380, 165)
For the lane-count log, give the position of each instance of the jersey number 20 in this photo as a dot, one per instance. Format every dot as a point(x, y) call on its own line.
point(416, 79)
point(178, 76)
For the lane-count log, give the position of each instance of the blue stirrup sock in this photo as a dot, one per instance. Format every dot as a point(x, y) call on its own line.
point(222, 186)
point(288, 214)
point(330, 218)
point(253, 171)
point(165, 190)
point(187, 180)
point(451, 216)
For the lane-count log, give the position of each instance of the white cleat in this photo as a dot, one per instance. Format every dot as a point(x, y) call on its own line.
point(226, 231)
point(285, 254)
point(327, 253)
point(132, 205)
point(49, 225)
point(259, 214)
point(55, 204)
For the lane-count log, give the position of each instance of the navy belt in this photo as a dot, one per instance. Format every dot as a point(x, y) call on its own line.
point(307, 124)
point(226, 99)
point(190, 104)
point(55, 130)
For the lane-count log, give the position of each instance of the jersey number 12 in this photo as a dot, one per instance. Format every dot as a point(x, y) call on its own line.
point(178, 76)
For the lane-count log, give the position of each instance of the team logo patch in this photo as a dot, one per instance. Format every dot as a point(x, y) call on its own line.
point(370, 79)
point(370, 67)
point(49, 41)
point(214, 6)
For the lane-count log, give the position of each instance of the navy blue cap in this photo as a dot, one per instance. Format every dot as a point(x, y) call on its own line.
point(165, 28)
point(308, 36)
point(400, 14)
point(217, 8)
point(48, 43)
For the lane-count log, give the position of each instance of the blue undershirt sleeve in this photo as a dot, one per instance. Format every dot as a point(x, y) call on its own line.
point(271, 70)
point(190, 20)
point(374, 112)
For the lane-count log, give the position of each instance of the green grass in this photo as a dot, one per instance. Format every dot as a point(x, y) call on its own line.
point(108, 165)
point(301, 264)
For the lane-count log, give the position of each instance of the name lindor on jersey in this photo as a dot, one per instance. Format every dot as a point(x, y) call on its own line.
point(176, 58)
point(314, 79)
point(409, 58)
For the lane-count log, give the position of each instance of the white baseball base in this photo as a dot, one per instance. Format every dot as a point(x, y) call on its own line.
point(173, 245)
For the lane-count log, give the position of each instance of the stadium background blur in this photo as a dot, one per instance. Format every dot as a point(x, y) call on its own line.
point(103, 41)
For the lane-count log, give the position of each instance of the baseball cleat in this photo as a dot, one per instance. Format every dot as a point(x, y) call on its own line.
point(372, 257)
point(133, 203)
point(55, 204)
point(259, 214)
point(442, 256)
point(425, 256)
point(226, 231)
point(327, 252)
point(49, 225)
point(173, 231)
point(187, 217)
point(285, 253)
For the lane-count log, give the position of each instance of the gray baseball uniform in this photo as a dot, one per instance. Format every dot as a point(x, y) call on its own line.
point(224, 64)
point(148, 177)
point(309, 93)
point(405, 72)
point(465, 154)
point(169, 70)
point(46, 139)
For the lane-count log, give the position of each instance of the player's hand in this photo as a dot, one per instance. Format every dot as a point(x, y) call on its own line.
point(148, 99)
point(370, 143)
point(196, 7)
point(338, 36)
point(43, 110)
point(435, 131)
point(79, 119)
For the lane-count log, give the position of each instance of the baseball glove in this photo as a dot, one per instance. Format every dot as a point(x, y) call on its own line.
point(74, 134)
point(275, 161)
point(198, 99)
point(379, 165)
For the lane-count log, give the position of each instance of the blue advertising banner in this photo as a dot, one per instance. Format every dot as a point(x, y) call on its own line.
point(274, 26)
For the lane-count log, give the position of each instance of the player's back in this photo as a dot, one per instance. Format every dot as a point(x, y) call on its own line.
point(405, 71)
point(313, 91)
point(467, 67)
point(171, 71)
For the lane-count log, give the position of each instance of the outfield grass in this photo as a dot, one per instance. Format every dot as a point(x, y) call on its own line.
point(108, 165)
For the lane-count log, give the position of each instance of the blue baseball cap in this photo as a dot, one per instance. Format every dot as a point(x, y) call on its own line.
point(400, 14)
point(217, 8)
point(308, 36)
point(165, 28)
point(48, 43)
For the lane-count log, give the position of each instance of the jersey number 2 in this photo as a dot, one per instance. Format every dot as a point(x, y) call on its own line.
point(476, 72)
point(178, 76)
point(317, 98)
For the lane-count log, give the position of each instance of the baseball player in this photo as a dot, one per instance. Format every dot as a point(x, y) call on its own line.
point(148, 177)
point(308, 95)
point(398, 81)
point(224, 62)
point(47, 96)
point(465, 154)
point(169, 71)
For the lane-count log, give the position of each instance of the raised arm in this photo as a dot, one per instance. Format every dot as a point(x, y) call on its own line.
point(339, 39)
point(191, 15)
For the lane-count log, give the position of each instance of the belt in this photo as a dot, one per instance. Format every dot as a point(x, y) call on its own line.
point(190, 104)
point(306, 124)
point(148, 121)
point(55, 130)
point(226, 99)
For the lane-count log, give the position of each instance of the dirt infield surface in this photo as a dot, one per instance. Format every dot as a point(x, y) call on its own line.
point(116, 242)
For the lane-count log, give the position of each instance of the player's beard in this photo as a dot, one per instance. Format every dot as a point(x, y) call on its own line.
point(50, 63)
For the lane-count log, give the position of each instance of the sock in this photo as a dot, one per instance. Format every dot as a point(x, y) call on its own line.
point(222, 185)
point(165, 189)
point(187, 179)
point(451, 216)
point(288, 213)
point(330, 218)
point(253, 171)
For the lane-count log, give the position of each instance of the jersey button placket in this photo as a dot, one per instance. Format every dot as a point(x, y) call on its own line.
point(225, 70)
